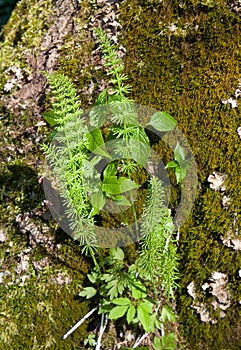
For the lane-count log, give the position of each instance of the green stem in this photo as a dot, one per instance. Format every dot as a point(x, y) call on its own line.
point(91, 250)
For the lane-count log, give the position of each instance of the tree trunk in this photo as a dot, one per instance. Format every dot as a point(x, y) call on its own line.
point(181, 57)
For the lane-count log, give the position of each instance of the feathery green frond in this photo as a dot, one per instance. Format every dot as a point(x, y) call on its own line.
point(114, 66)
point(157, 254)
point(65, 157)
point(66, 105)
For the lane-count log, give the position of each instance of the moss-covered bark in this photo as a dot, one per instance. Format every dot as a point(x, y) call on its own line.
point(182, 57)
point(185, 58)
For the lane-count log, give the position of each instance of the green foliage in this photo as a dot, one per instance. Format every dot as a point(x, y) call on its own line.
point(176, 74)
point(90, 340)
point(123, 290)
point(162, 121)
point(114, 66)
point(157, 255)
point(66, 105)
point(66, 159)
point(166, 342)
point(179, 164)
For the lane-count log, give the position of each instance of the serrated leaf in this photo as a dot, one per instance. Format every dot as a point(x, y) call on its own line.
point(118, 312)
point(95, 142)
point(121, 200)
point(147, 306)
point(111, 185)
point(97, 200)
point(162, 121)
point(92, 277)
point(117, 253)
point(138, 290)
point(144, 317)
point(127, 184)
point(88, 292)
point(140, 147)
point(121, 301)
point(130, 314)
point(167, 314)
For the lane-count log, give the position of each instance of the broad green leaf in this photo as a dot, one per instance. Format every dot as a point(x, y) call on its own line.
point(118, 312)
point(147, 306)
point(112, 289)
point(167, 314)
point(140, 152)
point(50, 118)
point(127, 184)
point(90, 340)
point(157, 345)
point(130, 314)
point(111, 185)
point(157, 322)
point(121, 301)
point(162, 121)
point(180, 174)
point(110, 170)
point(97, 200)
point(93, 212)
point(117, 253)
point(88, 292)
point(138, 290)
point(95, 142)
point(144, 317)
point(172, 164)
point(179, 153)
point(153, 322)
point(121, 200)
point(140, 146)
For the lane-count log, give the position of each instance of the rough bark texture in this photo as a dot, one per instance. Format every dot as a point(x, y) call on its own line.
point(182, 57)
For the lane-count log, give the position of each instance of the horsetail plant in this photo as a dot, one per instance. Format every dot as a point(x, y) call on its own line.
point(135, 291)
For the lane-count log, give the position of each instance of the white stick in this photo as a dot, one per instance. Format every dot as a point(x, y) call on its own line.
point(102, 329)
point(80, 322)
point(138, 341)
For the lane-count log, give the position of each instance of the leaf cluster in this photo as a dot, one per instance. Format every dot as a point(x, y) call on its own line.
point(114, 66)
point(157, 254)
point(73, 158)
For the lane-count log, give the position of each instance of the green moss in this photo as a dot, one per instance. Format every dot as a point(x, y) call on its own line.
point(187, 72)
point(38, 314)
point(75, 59)
point(23, 34)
